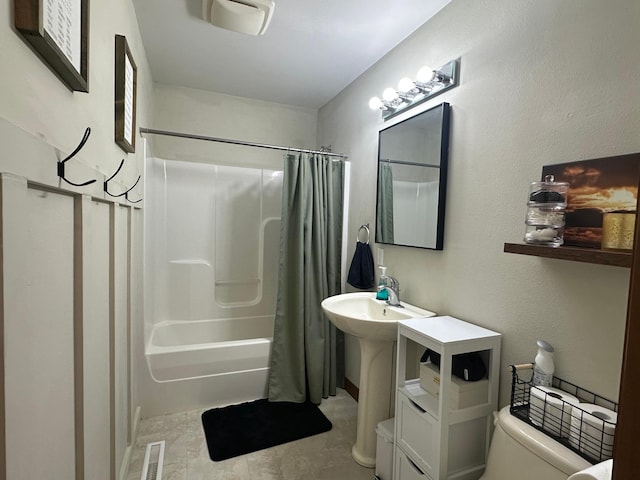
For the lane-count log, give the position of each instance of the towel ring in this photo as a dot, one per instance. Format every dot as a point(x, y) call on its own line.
point(366, 229)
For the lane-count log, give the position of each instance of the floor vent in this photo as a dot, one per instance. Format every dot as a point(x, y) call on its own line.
point(153, 458)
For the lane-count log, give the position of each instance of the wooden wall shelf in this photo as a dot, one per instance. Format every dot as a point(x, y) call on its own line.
point(575, 254)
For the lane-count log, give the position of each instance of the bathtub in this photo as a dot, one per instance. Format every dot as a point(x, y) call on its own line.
point(186, 350)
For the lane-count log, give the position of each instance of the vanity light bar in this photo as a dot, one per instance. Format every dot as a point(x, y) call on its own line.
point(429, 82)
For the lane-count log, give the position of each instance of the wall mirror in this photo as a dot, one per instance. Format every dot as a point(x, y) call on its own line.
point(412, 180)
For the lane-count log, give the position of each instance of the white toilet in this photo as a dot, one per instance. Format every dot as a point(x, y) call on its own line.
point(520, 452)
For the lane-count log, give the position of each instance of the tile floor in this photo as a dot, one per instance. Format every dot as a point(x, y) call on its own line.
point(326, 456)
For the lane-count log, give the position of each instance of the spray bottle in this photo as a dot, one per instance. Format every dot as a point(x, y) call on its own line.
point(543, 367)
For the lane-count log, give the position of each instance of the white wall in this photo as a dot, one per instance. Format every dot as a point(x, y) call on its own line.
point(71, 308)
point(224, 116)
point(541, 82)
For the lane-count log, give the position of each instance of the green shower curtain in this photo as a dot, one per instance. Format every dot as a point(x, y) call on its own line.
point(307, 359)
point(384, 213)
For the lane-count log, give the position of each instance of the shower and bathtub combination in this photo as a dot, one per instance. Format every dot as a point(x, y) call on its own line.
point(212, 256)
point(212, 236)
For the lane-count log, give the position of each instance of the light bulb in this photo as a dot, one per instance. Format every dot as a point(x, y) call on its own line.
point(375, 103)
point(425, 74)
point(389, 94)
point(405, 85)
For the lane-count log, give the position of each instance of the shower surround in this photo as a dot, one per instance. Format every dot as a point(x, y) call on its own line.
point(212, 235)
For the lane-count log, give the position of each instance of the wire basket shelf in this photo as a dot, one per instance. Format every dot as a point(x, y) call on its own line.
point(590, 434)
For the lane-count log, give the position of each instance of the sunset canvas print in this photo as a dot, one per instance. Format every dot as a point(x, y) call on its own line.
point(596, 187)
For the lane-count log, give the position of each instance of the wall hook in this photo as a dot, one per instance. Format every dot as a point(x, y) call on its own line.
point(126, 194)
point(105, 186)
point(61, 163)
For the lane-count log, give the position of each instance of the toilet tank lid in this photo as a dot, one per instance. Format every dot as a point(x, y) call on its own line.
point(540, 444)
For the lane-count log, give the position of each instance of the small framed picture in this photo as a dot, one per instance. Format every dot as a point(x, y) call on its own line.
point(58, 31)
point(125, 96)
point(601, 202)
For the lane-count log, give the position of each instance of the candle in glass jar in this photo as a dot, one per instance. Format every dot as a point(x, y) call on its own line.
point(618, 228)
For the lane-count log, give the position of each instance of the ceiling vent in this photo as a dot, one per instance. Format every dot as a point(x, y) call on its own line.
point(245, 16)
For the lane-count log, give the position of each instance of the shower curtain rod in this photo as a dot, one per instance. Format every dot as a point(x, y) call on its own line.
point(236, 142)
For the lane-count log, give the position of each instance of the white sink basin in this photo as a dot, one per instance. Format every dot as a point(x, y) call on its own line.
point(361, 315)
point(374, 323)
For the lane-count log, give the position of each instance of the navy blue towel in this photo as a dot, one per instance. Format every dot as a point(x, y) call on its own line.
point(361, 273)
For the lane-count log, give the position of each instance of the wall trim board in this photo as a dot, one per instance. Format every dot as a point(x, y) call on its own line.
point(3, 448)
point(351, 389)
point(120, 334)
point(137, 416)
point(79, 207)
point(129, 303)
point(126, 461)
point(112, 343)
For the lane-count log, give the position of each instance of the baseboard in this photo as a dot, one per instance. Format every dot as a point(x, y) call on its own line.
point(136, 424)
point(351, 389)
point(128, 452)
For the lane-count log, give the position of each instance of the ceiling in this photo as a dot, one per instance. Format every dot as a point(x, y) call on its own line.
point(311, 51)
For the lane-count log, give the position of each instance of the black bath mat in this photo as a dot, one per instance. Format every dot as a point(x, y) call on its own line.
point(248, 427)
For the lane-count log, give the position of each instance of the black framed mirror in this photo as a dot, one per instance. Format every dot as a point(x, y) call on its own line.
point(412, 180)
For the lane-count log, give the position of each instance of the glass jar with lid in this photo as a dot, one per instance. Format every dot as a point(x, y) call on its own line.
point(546, 212)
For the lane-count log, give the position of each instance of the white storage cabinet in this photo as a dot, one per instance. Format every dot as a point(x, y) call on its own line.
point(435, 441)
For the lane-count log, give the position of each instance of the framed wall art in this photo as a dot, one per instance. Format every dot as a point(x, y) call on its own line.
point(125, 96)
point(602, 191)
point(58, 31)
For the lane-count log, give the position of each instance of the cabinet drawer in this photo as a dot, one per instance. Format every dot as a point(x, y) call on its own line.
point(406, 469)
point(417, 434)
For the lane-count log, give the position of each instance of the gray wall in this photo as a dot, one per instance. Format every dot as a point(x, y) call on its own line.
point(225, 116)
point(541, 82)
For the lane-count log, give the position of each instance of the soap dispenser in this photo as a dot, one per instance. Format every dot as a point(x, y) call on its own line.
point(382, 293)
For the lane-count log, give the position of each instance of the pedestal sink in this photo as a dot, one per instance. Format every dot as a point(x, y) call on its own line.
point(373, 322)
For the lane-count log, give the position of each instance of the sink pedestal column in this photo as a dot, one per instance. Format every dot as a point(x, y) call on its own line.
point(374, 397)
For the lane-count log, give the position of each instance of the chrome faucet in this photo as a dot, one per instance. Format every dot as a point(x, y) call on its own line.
point(393, 289)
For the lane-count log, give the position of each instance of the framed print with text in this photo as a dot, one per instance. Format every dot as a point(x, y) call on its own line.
point(125, 96)
point(58, 31)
